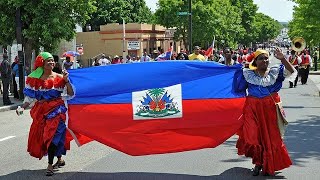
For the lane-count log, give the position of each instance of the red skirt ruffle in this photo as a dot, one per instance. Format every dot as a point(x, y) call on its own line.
point(259, 138)
point(41, 130)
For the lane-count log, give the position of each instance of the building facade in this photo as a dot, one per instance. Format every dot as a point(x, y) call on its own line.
point(132, 39)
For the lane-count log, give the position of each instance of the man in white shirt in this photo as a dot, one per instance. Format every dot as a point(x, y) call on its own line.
point(103, 61)
point(145, 57)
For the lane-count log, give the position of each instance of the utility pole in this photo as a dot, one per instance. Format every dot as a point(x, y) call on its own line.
point(20, 52)
point(190, 26)
point(124, 39)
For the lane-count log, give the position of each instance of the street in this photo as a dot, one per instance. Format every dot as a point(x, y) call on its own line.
point(97, 161)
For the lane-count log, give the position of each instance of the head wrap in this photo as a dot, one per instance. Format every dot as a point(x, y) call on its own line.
point(255, 55)
point(38, 64)
point(260, 51)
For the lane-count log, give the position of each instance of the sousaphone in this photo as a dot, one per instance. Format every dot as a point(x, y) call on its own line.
point(298, 44)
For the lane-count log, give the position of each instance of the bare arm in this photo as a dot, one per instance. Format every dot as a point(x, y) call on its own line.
point(70, 91)
point(26, 103)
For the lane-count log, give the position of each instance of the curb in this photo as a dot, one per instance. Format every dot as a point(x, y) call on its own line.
point(11, 107)
point(314, 72)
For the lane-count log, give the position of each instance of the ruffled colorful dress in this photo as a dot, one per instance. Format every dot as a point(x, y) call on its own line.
point(259, 137)
point(49, 116)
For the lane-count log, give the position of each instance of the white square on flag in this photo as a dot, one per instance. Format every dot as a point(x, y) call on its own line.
point(158, 103)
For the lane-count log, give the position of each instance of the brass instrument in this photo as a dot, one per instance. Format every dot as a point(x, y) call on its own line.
point(298, 44)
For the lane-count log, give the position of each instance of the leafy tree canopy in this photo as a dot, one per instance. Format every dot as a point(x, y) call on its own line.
point(112, 11)
point(265, 28)
point(306, 21)
point(210, 18)
point(45, 22)
point(247, 10)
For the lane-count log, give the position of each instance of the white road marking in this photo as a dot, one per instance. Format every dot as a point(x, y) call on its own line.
point(6, 138)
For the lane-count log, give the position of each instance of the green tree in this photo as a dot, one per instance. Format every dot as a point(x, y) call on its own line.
point(210, 18)
point(45, 22)
point(265, 28)
point(247, 10)
point(306, 21)
point(112, 11)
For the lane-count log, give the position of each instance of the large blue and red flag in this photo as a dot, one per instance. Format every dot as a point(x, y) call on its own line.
point(156, 107)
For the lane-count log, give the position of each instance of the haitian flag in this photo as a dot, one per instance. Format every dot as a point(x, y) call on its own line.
point(156, 107)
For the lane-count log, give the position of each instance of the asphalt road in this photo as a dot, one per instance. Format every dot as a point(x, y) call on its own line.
point(97, 161)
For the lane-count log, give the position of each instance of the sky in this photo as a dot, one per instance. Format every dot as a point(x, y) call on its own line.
point(280, 10)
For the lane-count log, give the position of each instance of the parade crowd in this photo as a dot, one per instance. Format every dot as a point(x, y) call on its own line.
point(48, 86)
point(301, 61)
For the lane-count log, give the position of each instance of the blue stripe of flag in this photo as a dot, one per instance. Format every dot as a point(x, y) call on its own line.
point(115, 83)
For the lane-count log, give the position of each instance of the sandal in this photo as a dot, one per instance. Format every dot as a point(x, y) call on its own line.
point(49, 172)
point(59, 164)
point(256, 170)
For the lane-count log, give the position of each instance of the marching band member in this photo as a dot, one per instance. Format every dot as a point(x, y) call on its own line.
point(305, 66)
point(295, 60)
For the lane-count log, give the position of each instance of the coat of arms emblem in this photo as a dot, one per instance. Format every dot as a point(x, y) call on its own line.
point(158, 103)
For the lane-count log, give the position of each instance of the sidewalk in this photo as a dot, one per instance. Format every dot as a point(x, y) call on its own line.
point(314, 73)
point(315, 78)
point(10, 107)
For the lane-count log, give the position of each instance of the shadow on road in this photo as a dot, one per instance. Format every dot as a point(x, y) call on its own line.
point(303, 139)
point(235, 173)
point(299, 107)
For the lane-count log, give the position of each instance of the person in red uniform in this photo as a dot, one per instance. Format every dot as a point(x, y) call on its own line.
point(295, 60)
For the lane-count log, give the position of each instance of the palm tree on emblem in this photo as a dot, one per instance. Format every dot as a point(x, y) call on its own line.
point(156, 94)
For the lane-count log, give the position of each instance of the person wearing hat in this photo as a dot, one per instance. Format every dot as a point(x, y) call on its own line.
point(259, 137)
point(47, 133)
point(103, 61)
point(116, 60)
point(6, 77)
point(196, 55)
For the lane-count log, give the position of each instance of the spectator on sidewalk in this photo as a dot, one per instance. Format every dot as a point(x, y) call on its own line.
point(116, 60)
point(145, 57)
point(103, 61)
point(196, 55)
point(96, 62)
point(67, 64)
point(6, 77)
point(17, 76)
point(15, 85)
